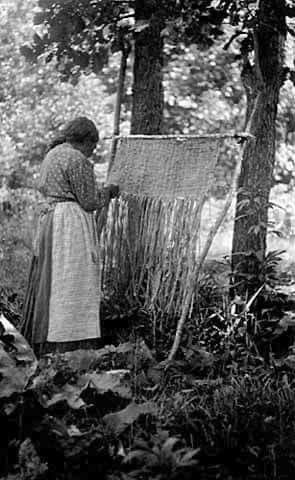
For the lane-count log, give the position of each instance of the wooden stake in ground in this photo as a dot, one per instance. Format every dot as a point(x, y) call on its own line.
point(118, 106)
point(102, 217)
point(195, 273)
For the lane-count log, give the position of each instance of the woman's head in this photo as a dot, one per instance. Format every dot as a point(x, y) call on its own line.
point(81, 133)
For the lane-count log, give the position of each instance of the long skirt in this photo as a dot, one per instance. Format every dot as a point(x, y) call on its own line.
point(61, 308)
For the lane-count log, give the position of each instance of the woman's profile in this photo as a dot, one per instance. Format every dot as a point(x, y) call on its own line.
point(61, 308)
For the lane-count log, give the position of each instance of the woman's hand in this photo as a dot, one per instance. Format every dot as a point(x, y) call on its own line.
point(112, 191)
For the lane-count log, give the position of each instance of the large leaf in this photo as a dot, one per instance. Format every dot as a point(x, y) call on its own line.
point(70, 394)
point(116, 381)
point(17, 360)
point(82, 360)
point(119, 421)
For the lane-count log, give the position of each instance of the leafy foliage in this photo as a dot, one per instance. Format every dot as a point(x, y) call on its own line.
point(80, 35)
point(161, 457)
point(206, 414)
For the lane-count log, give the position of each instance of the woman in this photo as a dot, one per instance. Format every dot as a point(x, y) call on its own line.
point(61, 309)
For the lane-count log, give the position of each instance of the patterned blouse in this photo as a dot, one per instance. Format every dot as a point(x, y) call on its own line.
point(66, 174)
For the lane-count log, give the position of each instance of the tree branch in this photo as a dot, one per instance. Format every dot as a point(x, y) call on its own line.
point(232, 38)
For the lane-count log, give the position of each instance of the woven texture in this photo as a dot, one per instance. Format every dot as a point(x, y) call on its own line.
point(165, 168)
point(151, 239)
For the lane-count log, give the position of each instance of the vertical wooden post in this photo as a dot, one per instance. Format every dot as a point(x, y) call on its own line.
point(102, 216)
point(118, 106)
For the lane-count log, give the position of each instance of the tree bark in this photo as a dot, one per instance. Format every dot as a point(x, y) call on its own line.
point(264, 77)
point(148, 95)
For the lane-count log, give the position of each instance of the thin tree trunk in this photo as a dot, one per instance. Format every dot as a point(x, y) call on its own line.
point(256, 179)
point(148, 96)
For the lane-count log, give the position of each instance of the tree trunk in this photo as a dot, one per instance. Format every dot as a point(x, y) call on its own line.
point(148, 95)
point(264, 77)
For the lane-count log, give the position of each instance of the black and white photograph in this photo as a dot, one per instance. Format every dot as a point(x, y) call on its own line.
point(147, 239)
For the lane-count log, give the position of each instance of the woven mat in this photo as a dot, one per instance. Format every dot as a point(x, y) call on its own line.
point(165, 167)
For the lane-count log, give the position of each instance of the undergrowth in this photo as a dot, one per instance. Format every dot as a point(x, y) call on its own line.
point(220, 410)
point(223, 409)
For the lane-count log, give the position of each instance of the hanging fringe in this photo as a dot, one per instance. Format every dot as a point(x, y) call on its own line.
point(150, 242)
point(151, 266)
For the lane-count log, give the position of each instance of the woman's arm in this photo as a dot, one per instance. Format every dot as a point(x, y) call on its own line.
point(84, 186)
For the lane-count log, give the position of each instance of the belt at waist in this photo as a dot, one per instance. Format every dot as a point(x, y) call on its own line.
point(48, 204)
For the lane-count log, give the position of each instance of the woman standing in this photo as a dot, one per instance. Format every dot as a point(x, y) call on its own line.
point(61, 308)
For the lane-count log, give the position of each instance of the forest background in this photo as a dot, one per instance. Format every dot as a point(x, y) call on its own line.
point(203, 93)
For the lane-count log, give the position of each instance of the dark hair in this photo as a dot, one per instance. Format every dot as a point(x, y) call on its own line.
point(76, 131)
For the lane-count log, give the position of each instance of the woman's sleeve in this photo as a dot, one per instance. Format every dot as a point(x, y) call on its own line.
point(83, 185)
